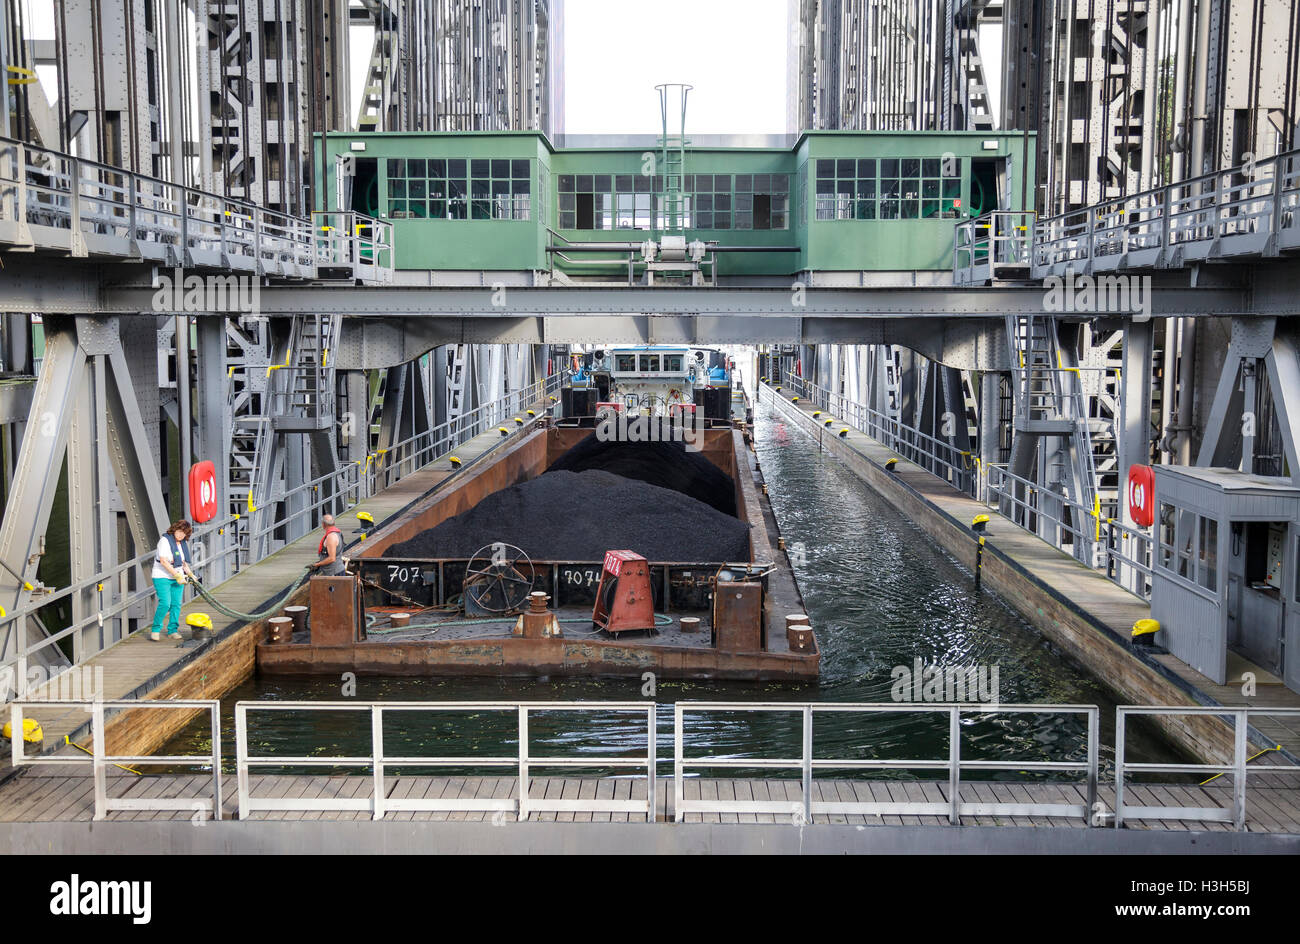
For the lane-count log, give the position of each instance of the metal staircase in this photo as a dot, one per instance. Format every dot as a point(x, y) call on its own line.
point(302, 389)
point(1051, 401)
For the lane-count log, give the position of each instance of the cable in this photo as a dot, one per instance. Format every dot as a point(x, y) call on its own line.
point(254, 617)
point(661, 619)
point(72, 743)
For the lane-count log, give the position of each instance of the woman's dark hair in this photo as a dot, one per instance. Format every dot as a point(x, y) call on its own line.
point(181, 524)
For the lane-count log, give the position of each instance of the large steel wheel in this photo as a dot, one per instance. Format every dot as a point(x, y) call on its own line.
point(498, 579)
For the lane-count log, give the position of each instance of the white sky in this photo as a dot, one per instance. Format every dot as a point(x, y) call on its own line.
point(732, 51)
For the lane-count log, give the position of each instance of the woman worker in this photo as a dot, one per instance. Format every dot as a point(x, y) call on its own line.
point(171, 565)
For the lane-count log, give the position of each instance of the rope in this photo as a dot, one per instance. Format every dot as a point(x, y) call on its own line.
point(254, 617)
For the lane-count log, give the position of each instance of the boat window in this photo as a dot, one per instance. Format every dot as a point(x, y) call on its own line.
point(625, 362)
point(650, 362)
point(673, 363)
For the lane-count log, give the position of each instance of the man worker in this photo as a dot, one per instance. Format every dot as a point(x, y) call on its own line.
point(331, 562)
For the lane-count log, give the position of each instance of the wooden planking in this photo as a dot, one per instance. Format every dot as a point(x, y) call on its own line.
point(58, 798)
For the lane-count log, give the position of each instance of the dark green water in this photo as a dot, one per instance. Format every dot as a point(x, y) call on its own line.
point(880, 593)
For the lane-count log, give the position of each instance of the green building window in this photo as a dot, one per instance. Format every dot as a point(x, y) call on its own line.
point(711, 201)
point(632, 201)
point(500, 189)
point(458, 189)
point(906, 188)
point(762, 201)
point(586, 201)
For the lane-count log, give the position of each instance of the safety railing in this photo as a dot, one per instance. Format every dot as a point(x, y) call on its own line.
point(53, 200)
point(49, 199)
point(522, 804)
point(1239, 768)
point(388, 464)
point(807, 763)
point(101, 760)
point(353, 245)
point(937, 456)
point(1124, 554)
point(98, 621)
point(997, 245)
point(1250, 209)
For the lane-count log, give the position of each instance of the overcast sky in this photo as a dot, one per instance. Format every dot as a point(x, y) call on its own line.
point(732, 51)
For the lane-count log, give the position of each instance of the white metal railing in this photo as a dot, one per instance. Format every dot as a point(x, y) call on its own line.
point(995, 245)
point(1250, 209)
point(50, 199)
point(378, 760)
point(955, 466)
point(53, 200)
point(1101, 542)
point(1122, 553)
point(808, 763)
point(359, 244)
point(1238, 768)
point(100, 760)
point(99, 623)
point(385, 466)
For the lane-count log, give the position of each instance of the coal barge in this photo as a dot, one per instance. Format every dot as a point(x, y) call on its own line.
point(627, 531)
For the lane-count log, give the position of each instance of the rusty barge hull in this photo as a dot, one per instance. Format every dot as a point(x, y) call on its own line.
point(530, 658)
point(742, 637)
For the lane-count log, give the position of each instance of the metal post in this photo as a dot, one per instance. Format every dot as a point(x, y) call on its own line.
point(807, 763)
point(677, 762)
point(241, 758)
point(377, 758)
point(652, 760)
point(16, 728)
point(954, 764)
point(215, 710)
point(523, 763)
point(185, 428)
point(1120, 720)
point(1094, 726)
point(1239, 769)
point(97, 759)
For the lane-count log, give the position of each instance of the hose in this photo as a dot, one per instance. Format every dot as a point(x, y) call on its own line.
point(263, 614)
point(661, 619)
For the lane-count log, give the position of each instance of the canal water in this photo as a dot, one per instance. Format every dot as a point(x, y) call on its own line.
point(881, 594)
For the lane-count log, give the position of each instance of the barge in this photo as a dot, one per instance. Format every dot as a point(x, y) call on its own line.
point(502, 611)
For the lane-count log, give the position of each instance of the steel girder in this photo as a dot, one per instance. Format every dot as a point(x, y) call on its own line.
point(587, 304)
point(84, 389)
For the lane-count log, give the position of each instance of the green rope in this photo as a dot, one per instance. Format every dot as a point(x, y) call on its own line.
point(254, 617)
point(660, 620)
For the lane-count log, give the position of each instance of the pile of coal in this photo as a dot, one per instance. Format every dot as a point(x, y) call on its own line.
point(578, 516)
point(668, 464)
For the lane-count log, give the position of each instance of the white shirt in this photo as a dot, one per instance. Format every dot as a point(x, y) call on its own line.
point(165, 552)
